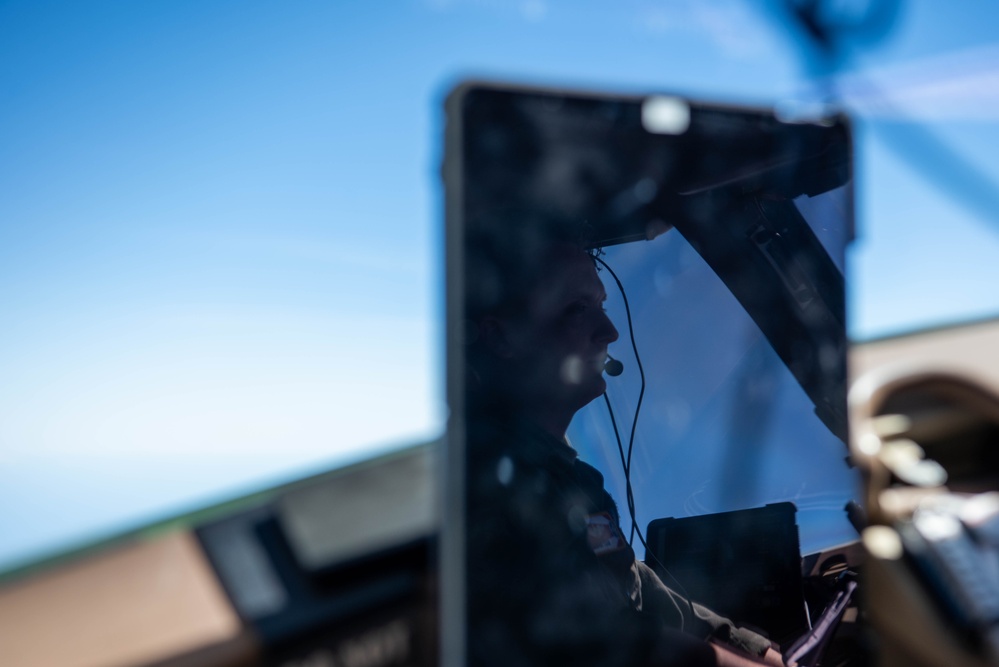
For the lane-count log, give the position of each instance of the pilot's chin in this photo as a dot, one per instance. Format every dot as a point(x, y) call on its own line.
point(596, 387)
point(585, 380)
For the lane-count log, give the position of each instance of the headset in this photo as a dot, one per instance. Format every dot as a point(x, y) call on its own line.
point(614, 368)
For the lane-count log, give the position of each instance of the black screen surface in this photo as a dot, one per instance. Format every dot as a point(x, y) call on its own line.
point(702, 248)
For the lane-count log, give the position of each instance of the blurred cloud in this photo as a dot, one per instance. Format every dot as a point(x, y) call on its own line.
point(290, 388)
point(735, 27)
point(387, 258)
point(533, 10)
point(732, 25)
point(962, 85)
point(530, 10)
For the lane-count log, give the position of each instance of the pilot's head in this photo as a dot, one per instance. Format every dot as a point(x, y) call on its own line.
point(541, 346)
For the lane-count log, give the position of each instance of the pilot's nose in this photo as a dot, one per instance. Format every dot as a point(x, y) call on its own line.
point(606, 332)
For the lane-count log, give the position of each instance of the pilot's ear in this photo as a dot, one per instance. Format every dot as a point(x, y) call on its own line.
point(495, 335)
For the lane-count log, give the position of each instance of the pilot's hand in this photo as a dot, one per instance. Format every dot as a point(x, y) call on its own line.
point(728, 657)
point(772, 657)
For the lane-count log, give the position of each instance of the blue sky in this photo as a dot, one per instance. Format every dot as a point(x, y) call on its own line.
point(220, 222)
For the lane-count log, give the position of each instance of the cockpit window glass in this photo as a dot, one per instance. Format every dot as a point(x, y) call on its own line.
point(723, 424)
point(828, 216)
